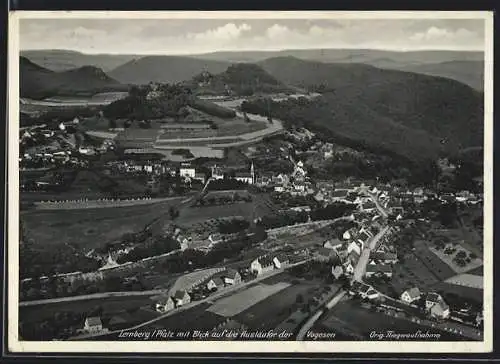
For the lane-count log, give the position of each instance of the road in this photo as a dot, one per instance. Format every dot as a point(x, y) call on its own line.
point(91, 297)
point(360, 269)
point(194, 303)
point(380, 209)
point(312, 320)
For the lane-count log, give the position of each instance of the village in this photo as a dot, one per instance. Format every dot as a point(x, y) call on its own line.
point(209, 234)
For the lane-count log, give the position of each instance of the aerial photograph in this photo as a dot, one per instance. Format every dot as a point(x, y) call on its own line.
point(251, 179)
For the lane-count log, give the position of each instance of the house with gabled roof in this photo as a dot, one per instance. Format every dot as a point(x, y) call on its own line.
point(324, 254)
point(363, 237)
point(165, 304)
point(181, 298)
point(384, 257)
point(411, 295)
point(339, 195)
point(231, 276)
point(93, 324)
point(368, 206)
point(359, 288)
point(355, 246)
point(378, 269)
point(214, 283)
point(262, 265)
point(281, 260)
point(440, 310)
point(337, 271)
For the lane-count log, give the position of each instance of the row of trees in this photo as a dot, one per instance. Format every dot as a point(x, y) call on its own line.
point(153, 247)
point(191, 259)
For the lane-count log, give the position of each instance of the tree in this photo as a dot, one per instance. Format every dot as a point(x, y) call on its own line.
point(299, 299)
point(112, 123)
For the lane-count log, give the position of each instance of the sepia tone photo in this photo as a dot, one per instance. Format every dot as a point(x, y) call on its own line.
point(250, 181)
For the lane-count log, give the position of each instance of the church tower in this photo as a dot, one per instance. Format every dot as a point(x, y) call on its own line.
point(252, 173)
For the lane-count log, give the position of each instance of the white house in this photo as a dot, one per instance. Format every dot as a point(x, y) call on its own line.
point(165, 304)
point(232, 277)
point(355, 246)
point(262, 265)
point(337, 271)
point(93, 324)
point(186, 170)
point(411, 295)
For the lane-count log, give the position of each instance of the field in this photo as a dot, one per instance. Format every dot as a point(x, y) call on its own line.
point(348, 318)
point(196, 318)
point(193, 215)
point(272, 311)
point(111, 305)
point(432, 262)
point(89, 228)
point(463, 292)
point(239, 302)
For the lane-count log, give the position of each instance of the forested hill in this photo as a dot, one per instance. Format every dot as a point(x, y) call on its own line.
point(38, 82)
point(410, 114)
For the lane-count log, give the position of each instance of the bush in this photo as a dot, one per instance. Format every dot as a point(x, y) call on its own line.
point(213, 109)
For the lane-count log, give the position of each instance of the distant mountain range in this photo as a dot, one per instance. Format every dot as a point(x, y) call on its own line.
point(466, 67)
point(64, 60)
point(168, 69)
point(38, 82)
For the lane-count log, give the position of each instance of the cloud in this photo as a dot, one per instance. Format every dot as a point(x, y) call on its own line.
point(227, 32)
point(435, 33)
point(188, 36)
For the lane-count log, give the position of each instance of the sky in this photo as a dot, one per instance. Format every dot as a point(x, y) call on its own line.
point(195, 36)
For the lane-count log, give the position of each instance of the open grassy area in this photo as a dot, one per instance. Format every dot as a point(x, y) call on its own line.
point(192, 215)
point(270, 312)
point(349, 318)
point(110, 306)
point(239, 302)
point(89, 228)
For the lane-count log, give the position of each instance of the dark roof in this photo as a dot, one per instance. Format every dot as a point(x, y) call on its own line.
point(340, 193)
point(163, 300)
point(384, 256)
point(360, 287)
point(326, 252)
point(266, 261)
point(180, 294)
point(413, 292)
point(363, 236)
point(231, 273)
point(433, 297)
point(378, 268)
point(218, 281)
point(283, 257)
point(369, 205)
point(243, 174)
point(351, 197)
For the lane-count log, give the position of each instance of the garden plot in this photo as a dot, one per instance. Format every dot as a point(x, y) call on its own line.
point(457, 257)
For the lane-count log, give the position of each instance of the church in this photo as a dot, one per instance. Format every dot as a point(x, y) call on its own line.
point(246, 177)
